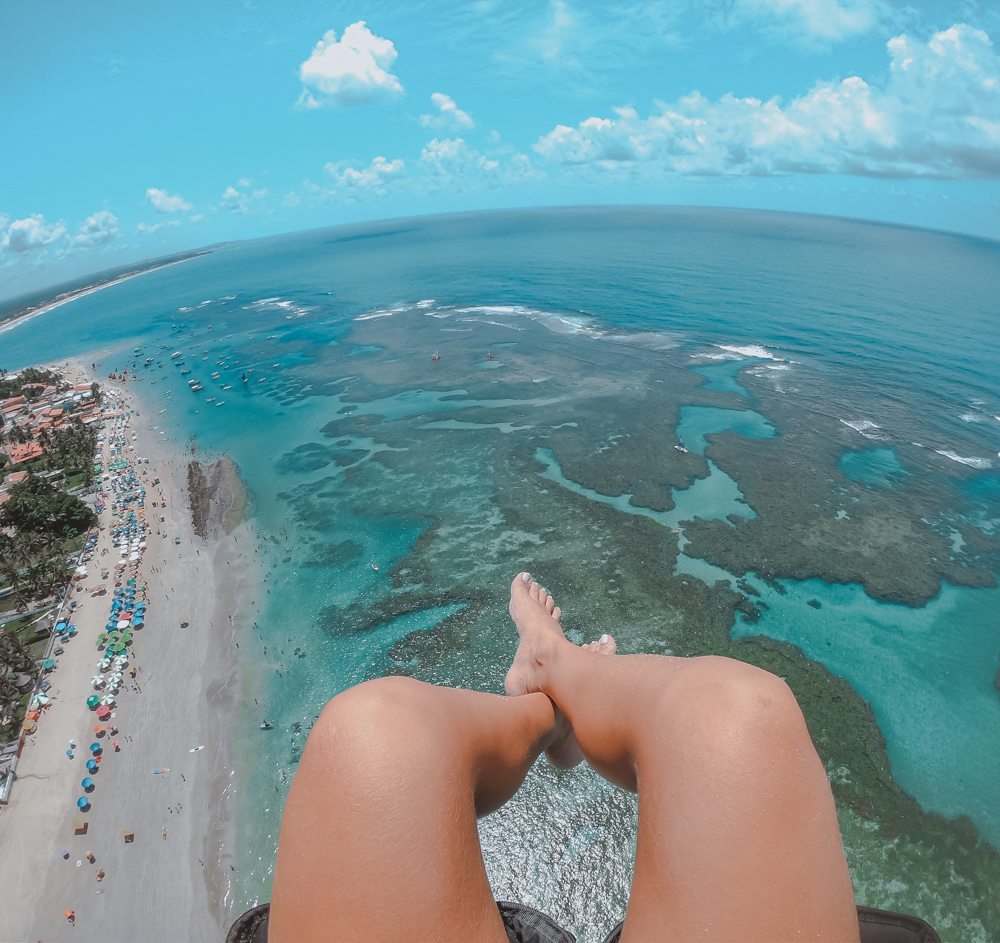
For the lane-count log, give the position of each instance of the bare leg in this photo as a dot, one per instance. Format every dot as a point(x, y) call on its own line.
point(738, 835)
point(379, 840)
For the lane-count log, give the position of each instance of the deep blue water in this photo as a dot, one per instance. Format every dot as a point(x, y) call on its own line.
point(891, 331)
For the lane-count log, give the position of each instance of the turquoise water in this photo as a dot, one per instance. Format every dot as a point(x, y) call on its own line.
point(875, 466)
point(815, 368)
point(930, 686)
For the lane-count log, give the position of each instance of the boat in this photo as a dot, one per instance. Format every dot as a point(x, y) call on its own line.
point(175, 355)
point(265, 726)
point(211, 399)
point(436, 356)
point(227, 387)
point(490, 357)
point(215, 375)
point(197, 388)
point(680, 446)
point(184, 373)
point(148, 361)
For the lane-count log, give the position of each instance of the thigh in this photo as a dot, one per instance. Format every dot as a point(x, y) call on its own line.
point(379, 838)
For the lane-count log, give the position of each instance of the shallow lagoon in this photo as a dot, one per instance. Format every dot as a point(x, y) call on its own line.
point(449, 478)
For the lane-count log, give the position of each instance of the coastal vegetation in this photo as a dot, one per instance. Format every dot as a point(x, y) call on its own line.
point(17, 675)
point(47, 454)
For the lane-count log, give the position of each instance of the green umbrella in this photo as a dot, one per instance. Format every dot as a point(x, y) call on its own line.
point(93, 701)
point(118, 647)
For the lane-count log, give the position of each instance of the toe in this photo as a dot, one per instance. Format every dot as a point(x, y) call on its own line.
point(557, 614)
point(606, 645)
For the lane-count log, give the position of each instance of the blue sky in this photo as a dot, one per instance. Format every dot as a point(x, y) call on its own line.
point(135, 129)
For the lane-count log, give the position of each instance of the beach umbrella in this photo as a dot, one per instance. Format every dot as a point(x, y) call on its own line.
point(123, 624)
point(93, 701)
point(82, 802)
point(107, 700)
point(48, 664)
point(91, 765)
point(87, 782)
point(97, 680)
point(103, 711)
point(98, 729)
point(95, 747)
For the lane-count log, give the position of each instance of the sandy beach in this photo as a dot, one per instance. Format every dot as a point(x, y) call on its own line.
point(173, 881)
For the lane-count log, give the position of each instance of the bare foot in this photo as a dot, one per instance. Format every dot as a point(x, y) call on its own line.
point(536, 617)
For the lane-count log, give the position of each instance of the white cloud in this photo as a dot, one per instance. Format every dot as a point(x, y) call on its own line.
point(32, 232)
point(239, 201)
point(818, 22)
point(449, 114)
point(232, 199)
point(451, 163)
point(96, 230)
point(349, 72)
point(378, 178)
point(936, 115)
point(163, 202)
point(156, 227)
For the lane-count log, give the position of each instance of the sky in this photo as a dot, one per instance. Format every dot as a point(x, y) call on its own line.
point(131, 130)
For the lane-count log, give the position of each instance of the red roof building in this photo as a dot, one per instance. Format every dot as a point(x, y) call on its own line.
point(24, 453)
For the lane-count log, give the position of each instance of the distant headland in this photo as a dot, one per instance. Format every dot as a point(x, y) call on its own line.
point(19, 309)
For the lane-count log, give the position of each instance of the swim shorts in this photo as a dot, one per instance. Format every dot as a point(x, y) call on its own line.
point(526, 925)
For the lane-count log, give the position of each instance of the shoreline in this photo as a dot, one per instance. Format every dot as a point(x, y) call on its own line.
point(188, 690)
point(20, 319)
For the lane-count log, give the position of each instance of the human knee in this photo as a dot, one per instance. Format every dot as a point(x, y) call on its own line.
point(371, 710)
point(728, 695)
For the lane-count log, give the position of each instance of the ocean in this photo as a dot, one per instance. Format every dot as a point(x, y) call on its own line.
point(834, 519)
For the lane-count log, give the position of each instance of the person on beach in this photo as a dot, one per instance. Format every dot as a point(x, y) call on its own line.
point(737, 839)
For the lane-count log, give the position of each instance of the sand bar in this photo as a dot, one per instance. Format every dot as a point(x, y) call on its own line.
point(155, 888)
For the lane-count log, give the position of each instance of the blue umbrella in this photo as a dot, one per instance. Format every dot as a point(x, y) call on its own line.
point(91, 765)
point(83, 802)
point(95, 747)
point(87, 782)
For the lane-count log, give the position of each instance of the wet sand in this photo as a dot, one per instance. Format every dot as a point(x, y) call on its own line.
point(173, 881)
